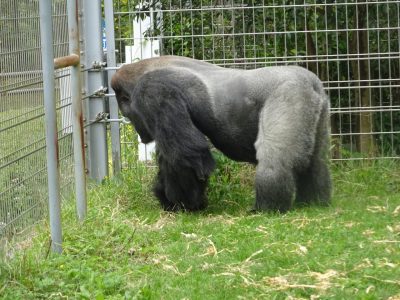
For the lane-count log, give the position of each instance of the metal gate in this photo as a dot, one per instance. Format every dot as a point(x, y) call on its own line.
point(52, 66)
point(23, 166)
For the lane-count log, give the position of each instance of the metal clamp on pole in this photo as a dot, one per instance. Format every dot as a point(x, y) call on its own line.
point(123, 120)
point(101, 92)
point(98, 65)
point(103, 117)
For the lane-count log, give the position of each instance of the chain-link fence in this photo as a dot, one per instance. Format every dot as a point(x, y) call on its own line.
point(353, 46)
point(23, 173)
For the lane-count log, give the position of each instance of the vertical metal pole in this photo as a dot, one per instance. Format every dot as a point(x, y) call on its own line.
point(46, 37)
point(77, 116)
point(97, 134)
point(111, 62)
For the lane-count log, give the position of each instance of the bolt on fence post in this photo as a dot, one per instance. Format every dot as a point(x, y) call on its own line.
point(77, 117)
point(97, 134)
point(46, 37)
point(111, 62)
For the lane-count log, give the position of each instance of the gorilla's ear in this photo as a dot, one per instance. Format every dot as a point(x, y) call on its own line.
point(162, 98)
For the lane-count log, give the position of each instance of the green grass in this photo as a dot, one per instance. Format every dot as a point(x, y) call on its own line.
point(129, 249)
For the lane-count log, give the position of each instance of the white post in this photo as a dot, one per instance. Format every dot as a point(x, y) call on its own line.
point(143, 48)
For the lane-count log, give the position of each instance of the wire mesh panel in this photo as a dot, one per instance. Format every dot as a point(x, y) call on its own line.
point(352, 46)
point(23, 174)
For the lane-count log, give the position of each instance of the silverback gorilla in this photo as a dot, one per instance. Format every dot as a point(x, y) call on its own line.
point(274, 117)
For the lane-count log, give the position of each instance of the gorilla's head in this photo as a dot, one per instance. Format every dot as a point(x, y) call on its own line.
point(126, 103)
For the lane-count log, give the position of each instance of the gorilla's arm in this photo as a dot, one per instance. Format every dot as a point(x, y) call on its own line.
point(163, 105)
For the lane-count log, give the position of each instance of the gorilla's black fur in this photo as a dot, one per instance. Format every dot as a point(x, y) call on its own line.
point(276, 118)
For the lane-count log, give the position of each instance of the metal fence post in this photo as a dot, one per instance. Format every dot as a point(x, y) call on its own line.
point(46, 37)
point(97, 134)
point(111, 62)
point(77, 117)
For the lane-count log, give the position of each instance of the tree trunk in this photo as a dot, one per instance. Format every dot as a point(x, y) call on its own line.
point(360, 70)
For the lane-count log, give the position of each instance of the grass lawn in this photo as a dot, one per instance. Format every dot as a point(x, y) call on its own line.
point(129, 249)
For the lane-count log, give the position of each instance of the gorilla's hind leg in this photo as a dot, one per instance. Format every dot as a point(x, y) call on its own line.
point(285, 143)
point(314, 183)
point(275, 187)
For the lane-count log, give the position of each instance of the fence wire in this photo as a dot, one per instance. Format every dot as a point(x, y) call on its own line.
point(353, 46)
point(23, 174)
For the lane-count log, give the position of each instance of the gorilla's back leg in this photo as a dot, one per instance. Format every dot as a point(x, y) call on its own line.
point(314, 183)
point(285, 144)
point(274, 188)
